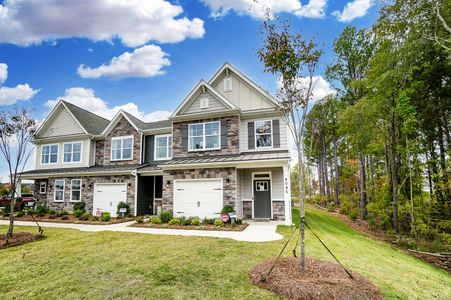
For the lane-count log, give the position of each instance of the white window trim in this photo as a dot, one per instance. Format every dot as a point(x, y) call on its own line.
point(204, 137)
point(57, 154)
point(54, 190)
point(122, 152)
point(72, 153)
point(41, 184)
point(81, 182)
point(167, 147)
point(255, 134)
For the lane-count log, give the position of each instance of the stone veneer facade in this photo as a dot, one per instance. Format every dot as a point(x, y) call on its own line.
point(103, 148)
point(87, 191)
point(229, 190)
point(233, 139)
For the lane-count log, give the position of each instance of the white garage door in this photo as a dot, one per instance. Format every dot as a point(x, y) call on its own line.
point(198, 198)
point(107, 196)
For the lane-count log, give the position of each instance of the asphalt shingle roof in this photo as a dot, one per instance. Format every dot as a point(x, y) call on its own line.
point(93, 123)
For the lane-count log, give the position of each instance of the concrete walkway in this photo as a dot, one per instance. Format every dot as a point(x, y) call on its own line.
point(255, 232)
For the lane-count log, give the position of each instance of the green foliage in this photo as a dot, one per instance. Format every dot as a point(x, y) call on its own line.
point(62, 213)
point(140, 220)
point(20, 214)
point(52, 211)
point(227, 209)
point(155, 220)
point(78, 213)
point(208, 221)
point(80, 206)
point(195, 222)
point(239, 222)
point(85, 216)
point(174, 221)
point(105, 217)
point(123, 205)
point(352, 214)
point(165, 216)
point(218, 223)
point(41, 209)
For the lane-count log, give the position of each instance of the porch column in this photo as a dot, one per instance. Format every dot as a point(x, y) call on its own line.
point(287, 193)
point(19, 188)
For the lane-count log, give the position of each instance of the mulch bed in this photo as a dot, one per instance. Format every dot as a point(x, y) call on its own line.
point(322, 280)
point(67, 219)
point(19, 238)
point(226, 227)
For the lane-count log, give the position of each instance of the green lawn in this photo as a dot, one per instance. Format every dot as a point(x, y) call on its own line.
point(72, 265)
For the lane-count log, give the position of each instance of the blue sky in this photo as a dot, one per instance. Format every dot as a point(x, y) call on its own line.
point(51, 49)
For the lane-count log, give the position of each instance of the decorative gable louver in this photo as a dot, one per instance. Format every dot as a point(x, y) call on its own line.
point(227, 84)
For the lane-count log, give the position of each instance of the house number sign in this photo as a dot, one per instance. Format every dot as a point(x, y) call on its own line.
point(286, 186)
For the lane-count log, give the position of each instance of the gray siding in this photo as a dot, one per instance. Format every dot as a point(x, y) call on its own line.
point(149, 148)
point(276, 182)
point(144, 195)
point(214, 104)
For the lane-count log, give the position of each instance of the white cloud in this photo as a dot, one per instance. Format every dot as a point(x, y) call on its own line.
point(322, 87)
point(257, 9)
point(353, 10)
point(87, 99)
point(10, 95)
point(3, 72)
point(135, 22)
point(146, 61)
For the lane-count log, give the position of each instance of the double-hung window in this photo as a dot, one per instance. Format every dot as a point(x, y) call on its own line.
point(122, 148)
point(75, 190)
point(59, 190)
point(263, 134)
point(49, 154)
point(72, 152)
point(42, 187)
point(204, 136)
point(163, 147)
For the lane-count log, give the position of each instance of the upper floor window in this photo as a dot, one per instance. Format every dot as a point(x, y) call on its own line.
point(122, 148)
point(263, 134)
point(72, 152)
point(163, 147)
point(204, 136)
point(49, 154)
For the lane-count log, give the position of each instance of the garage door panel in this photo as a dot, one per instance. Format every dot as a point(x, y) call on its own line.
point(108, 196)
point(200, 198)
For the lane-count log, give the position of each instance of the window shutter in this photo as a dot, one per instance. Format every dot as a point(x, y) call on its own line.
point(224, 133)
point(250, 135)
point(276, 133)
point(184, 136)
point(149, 148)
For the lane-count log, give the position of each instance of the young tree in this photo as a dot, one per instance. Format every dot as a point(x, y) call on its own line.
point(294, 60)
point(16, 131)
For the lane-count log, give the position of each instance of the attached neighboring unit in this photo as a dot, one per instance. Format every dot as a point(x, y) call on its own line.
point(225, 144)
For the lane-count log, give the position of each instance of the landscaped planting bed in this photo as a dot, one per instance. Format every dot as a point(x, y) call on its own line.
point(18, 238)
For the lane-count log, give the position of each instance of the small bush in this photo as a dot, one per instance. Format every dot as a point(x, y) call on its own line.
point(63, 213)
point(218, 223)
point(80, 206)
point(165, 216)
point(19, 214)
point(41, 210)
point(208, 221)
point(95, 218)
point(331, 207)
point(105, 217)
point(185, 221)
point(227, 209)
point(174, 221)
point(29, 212)
point(238, 222)
point(139, 220)
point(352, 215)
point(155, 220)
point(84, 216)
point(120, 205)
point(78, 213)
point(195, 222)
point(52, 212)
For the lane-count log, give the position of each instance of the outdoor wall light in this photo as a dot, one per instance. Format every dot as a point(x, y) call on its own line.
point(83, 185)
point(227, 182)
point(168, 183)
point(129, 184)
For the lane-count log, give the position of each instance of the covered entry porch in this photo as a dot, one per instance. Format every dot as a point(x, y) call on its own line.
point(149, 192)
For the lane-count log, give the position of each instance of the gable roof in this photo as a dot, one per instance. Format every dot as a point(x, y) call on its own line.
point(91, 122)
point(229, 67)
point(191, 97)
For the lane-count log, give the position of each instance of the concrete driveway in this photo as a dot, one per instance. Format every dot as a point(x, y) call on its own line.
point(255, 232)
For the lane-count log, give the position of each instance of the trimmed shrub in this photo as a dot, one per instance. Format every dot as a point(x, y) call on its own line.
point(139, 220)
point(155, 220)
point(218, 223)
point(120, 205)
point(208, 221)
point(238, 222)
point(52, 212)
point(352, 215)
point(78, 213)
point(195, 222)
point(105, 217)
point(227, 209)
point(63, 213)
point(95, 218)
point(185, 221)
point(174, 221)
point(29, 212)
point(80, 206)
point(41, 210)
point(19, 214)
point(84, 216)
point(165, 216)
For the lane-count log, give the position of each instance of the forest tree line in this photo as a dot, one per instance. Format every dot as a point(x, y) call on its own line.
point(380, 148)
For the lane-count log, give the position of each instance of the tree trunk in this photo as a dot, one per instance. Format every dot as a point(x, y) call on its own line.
point(444, 170)
point(363, 187)
point(337, 175)
point(10, 232)
point(301, 207)
point(394, 172)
